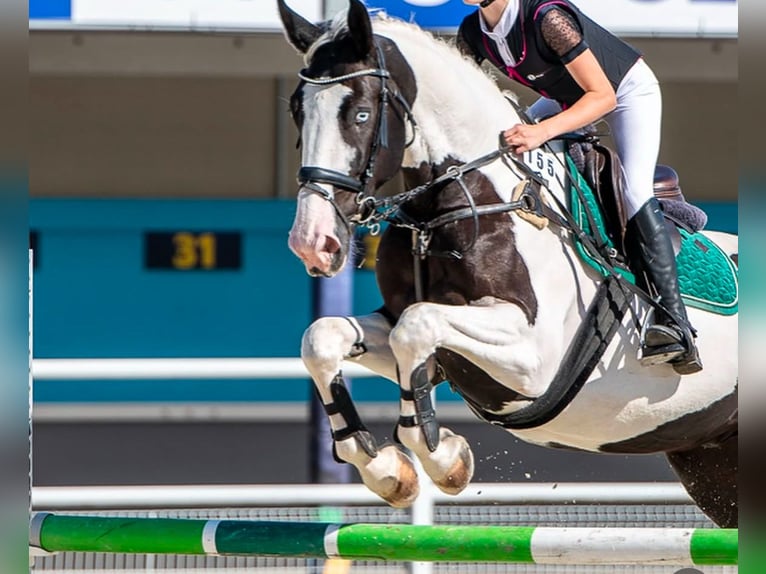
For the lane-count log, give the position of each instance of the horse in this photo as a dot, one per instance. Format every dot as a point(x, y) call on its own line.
point(479, 276)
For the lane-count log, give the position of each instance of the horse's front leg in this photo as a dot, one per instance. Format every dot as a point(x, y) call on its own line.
point(386, 470)
point(493, 337)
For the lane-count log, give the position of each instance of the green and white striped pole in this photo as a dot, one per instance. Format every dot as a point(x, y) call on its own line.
point(406, 542)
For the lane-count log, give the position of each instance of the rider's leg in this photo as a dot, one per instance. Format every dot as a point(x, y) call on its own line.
point(664, 341)
point(636, 127)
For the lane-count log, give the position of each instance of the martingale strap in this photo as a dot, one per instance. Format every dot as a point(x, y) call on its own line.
point(588, 346)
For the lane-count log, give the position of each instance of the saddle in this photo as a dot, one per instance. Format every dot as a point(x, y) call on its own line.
point(602, 170)
point(708, 277)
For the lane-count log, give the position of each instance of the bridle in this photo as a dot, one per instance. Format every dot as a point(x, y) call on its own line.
point(372, 211)
point(309, 177)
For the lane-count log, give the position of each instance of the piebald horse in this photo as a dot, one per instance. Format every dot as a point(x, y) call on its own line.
point(474, 292)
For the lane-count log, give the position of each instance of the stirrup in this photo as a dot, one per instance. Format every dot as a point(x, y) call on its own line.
point(661, 354)
point(689, 363)
point(684, 361)
point(660, 335)
point(668, 344)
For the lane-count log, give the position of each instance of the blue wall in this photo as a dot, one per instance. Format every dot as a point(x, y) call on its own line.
point(94, 297)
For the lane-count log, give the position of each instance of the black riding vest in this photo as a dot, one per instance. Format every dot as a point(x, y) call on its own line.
point(537, 66)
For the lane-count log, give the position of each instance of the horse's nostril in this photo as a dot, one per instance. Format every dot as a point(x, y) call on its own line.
point(331, 245)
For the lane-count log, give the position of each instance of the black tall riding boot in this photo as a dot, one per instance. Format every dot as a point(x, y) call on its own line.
point(667, 338)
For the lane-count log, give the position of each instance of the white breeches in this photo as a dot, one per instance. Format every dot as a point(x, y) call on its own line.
point(635, 127)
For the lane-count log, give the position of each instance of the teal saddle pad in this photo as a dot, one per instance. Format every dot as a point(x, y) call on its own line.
point(707, 276)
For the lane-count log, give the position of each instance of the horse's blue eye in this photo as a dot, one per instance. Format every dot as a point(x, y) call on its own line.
point(362, 117)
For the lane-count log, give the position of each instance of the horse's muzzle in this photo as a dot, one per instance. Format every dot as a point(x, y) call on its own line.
point(323, 257)
point(336, 264)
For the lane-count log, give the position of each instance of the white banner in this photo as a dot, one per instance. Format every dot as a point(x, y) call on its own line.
point(664, 17)
point(622, 17)
point(195, 14)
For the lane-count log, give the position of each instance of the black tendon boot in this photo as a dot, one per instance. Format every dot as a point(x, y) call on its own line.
point(666, 339)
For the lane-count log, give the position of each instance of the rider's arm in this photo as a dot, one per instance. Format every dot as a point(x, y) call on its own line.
point(563, 36)
point(598, 100)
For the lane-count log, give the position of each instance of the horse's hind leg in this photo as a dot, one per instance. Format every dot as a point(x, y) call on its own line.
point(387, 471)
point(709, 474)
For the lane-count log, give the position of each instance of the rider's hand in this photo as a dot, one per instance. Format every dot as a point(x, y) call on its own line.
point(525, 137)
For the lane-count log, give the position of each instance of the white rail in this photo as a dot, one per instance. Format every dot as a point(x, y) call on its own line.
point(196, 368)
point(217, 496)
point(57, 498)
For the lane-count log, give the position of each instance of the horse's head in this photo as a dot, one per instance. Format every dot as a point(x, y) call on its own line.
point(352, 107)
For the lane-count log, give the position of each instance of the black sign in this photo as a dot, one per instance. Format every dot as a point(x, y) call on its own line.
point(193, 250)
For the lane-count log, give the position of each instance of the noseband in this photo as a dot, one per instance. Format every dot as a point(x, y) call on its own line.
point(309, 177)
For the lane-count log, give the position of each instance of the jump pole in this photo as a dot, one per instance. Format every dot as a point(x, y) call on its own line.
point(406, 542)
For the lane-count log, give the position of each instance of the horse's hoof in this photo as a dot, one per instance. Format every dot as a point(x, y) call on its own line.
point(460, 473)
point(392, 476)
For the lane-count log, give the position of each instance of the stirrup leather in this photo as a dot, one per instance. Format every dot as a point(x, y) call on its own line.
point(660, 343)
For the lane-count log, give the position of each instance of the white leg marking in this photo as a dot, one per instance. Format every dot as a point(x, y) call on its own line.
point(326, 343)
point(330, 340)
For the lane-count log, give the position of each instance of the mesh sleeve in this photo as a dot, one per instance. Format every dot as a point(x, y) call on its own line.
point(562, 34)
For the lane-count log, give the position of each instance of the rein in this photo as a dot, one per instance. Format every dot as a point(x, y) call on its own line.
point(390, 209)
point(530, 201)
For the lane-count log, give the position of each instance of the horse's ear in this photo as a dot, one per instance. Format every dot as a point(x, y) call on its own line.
point(360, 27)
point(300, 32)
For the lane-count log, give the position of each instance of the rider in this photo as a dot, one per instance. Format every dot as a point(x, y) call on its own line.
point(585, 73)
